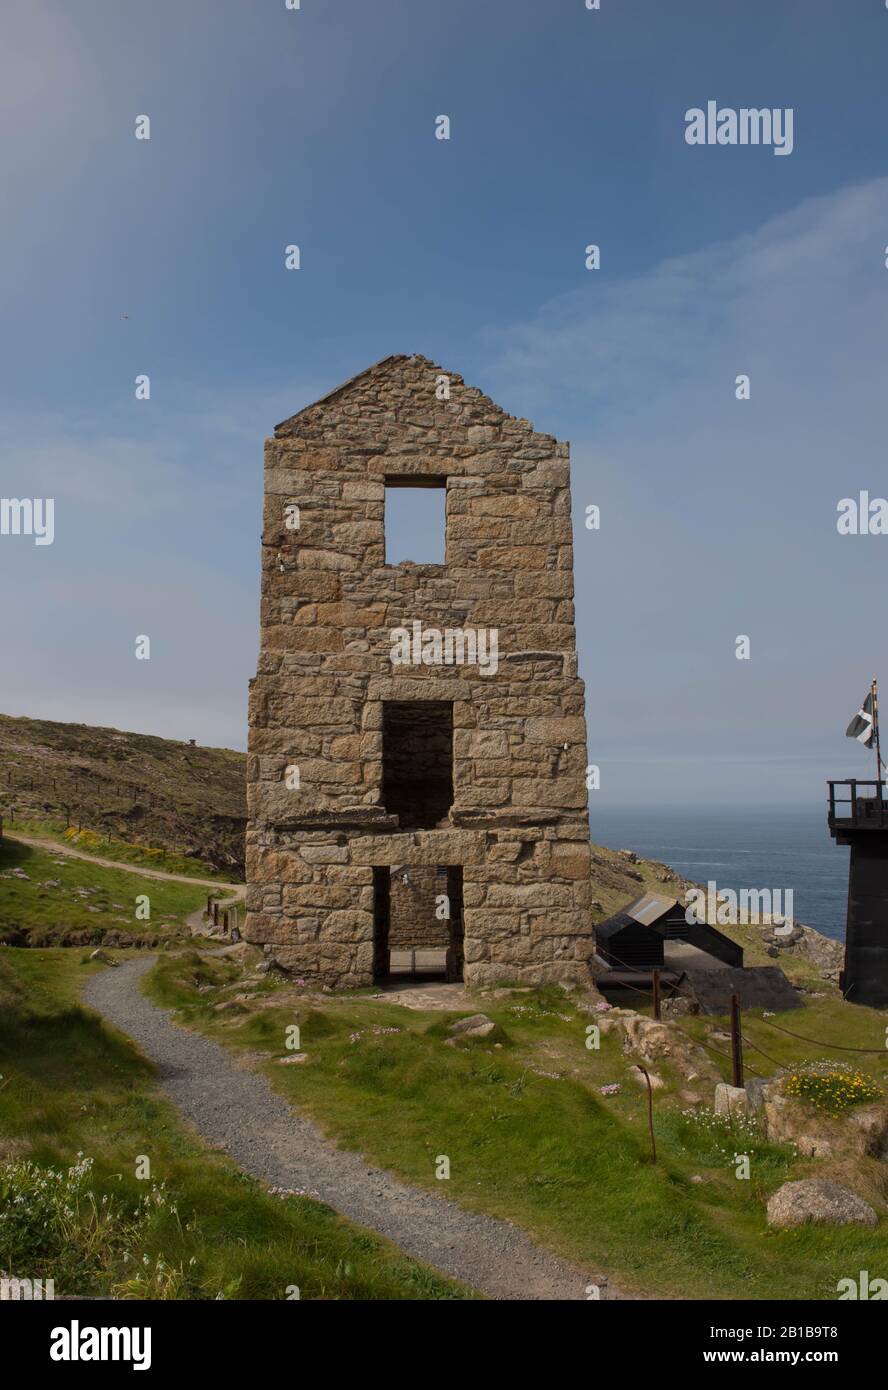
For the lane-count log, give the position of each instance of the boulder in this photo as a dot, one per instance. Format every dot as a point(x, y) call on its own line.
point(783, 936)
point(651, 1041)
point(757, 1091)
point(99, 955)
point(871, 1124)
point(825, 953)
point(861, 1131)
point(271, 966)
point(475, 1026)
point(788, 1121)
point(818, 1200)
point(730, 1100)
point(646, 1037)
point(680, 1006)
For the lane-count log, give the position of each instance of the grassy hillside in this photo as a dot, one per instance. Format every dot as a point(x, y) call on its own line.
point(141, 789)
point(156, 793)
point(532, 1137)
point(79, 1106)
point(47, 899)
point(95, 844)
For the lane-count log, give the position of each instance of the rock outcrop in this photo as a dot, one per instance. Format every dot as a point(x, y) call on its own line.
point(818, 1200)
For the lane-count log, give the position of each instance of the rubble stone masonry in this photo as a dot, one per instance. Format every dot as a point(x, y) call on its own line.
point(326, 690)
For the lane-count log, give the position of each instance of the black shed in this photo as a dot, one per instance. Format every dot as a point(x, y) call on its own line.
point(628, 940)
point(634, 938)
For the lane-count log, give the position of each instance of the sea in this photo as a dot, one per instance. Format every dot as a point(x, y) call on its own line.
point(741, 848)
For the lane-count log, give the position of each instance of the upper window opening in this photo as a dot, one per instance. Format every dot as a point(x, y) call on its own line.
point(415, 520)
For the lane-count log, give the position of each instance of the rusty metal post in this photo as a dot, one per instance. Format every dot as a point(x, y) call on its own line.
point(647, 1078)
point(736, 1043)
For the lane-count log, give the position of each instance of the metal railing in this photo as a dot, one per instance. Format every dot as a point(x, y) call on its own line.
point(863, 805)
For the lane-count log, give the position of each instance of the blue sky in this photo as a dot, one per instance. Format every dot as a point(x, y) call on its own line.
point(317, 127)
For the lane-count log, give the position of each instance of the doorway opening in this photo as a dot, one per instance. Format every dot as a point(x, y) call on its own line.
point(418, 923)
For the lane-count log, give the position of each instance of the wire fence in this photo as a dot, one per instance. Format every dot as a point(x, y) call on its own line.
point(685, 988)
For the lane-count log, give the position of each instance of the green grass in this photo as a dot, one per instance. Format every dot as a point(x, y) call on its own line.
point(825, 1020)
point(108, 847)
point(71, 1086)
point(571, 1167)
point(38, 915)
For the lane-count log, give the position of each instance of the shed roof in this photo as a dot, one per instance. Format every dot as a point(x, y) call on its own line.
point(646, 911)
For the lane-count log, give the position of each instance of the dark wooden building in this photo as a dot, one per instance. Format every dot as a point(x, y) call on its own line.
point(858, 816)
point(628, 940)
point(634, 938)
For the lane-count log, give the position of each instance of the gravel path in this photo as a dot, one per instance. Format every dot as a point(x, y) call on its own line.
point(238, 1110)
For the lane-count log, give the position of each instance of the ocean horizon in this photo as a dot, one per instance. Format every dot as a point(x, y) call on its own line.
point(741, 848)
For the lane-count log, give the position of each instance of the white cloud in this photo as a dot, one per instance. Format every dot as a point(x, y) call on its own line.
point(718, 516)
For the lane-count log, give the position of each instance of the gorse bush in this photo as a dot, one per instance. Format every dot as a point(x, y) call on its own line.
point(54, 1225)
point(88, 839)
point(831, 1086)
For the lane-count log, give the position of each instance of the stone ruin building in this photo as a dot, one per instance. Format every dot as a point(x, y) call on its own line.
point(417, 747)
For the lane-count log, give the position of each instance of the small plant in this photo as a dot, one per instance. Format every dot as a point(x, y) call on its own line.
point(831, 1086)
point(715, 1139)
point(156, 1279)
point(52, 1219)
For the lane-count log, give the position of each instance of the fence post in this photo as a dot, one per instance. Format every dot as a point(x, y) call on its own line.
point(647, 1078)
point(736, 1043)
point(656, 992)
